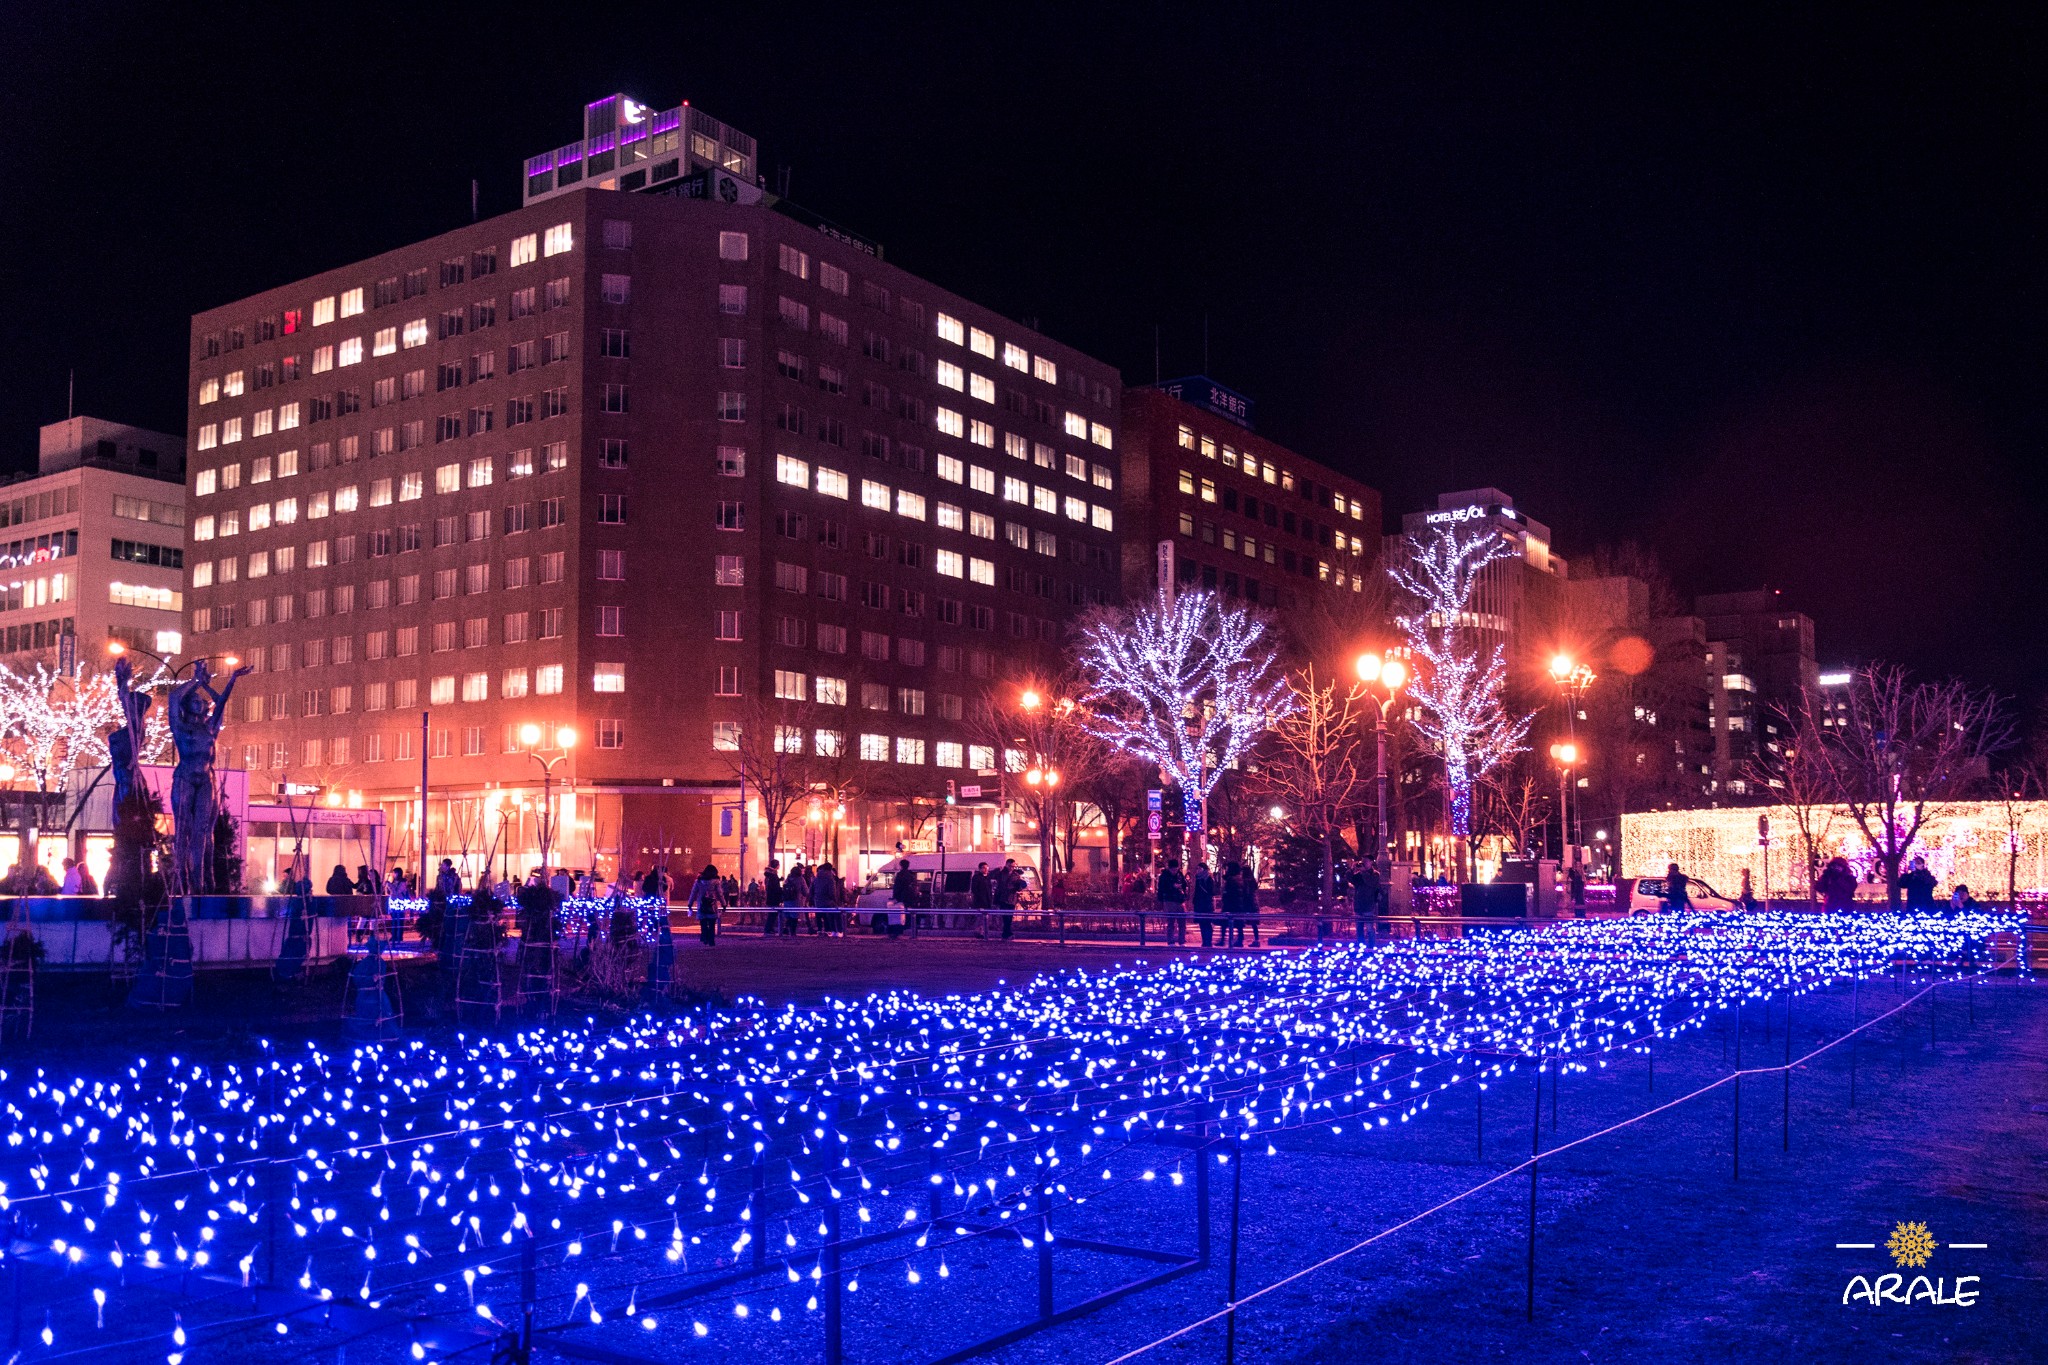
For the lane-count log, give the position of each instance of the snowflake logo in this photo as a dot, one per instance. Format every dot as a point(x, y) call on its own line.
point(1910, 1244)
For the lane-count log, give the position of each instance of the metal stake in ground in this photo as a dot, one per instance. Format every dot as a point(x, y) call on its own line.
point(1044, 1234)
point(1855, 1033)
point(1230, 1289)
point(834, 1326)
point(1738, 1090)
point(1535, 1145)
point(1786, 1137)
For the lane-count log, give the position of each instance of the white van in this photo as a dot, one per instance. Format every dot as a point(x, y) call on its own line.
point(877, 892)
point(1645, 895)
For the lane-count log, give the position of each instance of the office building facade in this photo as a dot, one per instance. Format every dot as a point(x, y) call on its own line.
point(650, 466)
point(92, 546)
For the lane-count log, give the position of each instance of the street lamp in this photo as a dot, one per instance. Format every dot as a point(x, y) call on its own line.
point(1390, 675)
point(1567, 755)
point(531, 735)
point(1572, 677)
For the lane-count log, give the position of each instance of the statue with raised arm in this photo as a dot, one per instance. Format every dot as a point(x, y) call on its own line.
point(126, 744)
point(197, 712)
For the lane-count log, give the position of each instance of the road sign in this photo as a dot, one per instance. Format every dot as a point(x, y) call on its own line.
point(1155, 825)
point(1155, 799)
point(970, 791)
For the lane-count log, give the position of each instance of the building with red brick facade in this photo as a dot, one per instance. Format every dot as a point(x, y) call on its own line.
point(643, 465)
point(1216, 505)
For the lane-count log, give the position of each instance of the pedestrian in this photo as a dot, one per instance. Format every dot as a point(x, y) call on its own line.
point(70, 885)
point(366, 885)
point(1746, 897)
point(339, 883)
point(771, 899)
point(1918, 884)
point(1007, 883)
point(1836, 885)
point(394, 885)
point(1172, 896)
point(903, 894)
point(561, 885)
point(707, 896)
point(980, 896)
point(1961, 899)
point(1575, 885)
point(1205, 904)
point(1365, 898)
point(796, 895)
point(447, 881)
point(1675, 884)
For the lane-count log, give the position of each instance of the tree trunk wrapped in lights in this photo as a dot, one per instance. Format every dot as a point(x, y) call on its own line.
point(1458, 681)
point(1184, 682)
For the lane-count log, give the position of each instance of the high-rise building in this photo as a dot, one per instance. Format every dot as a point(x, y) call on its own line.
point(1213, 504)
point(92, 546)
point(648, 466)
point(1763, 655)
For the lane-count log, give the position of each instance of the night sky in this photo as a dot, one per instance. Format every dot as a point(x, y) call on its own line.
point(1761, 292)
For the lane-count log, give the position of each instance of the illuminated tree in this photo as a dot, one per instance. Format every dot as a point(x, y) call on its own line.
point(53, 725)
point(1900, 751)
point(1458, 681)
point(1183, 682)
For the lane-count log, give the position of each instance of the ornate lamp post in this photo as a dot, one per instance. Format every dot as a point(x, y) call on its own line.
point(1566, 753)
point(531, 735)
point(1380, 680)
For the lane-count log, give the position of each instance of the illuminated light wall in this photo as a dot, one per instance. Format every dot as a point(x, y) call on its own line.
point(1967, 842)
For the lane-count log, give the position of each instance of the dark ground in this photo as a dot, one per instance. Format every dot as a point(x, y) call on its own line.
point(1646, 1250)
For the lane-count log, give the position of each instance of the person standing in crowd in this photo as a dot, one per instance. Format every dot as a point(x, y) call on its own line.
point(1745, 899)
point(1918, 884)
point(447, 881)
point(366, 885)
point(796, 897)
point(1575, 885)
point(1004, 893)
point(339, 883)
point(826, 894)
point(394, 885)
point(1172, 896)
point(655, 885)
point(1365, 897)
point(1836, 885)
point(1205, 904)
point(771, 899)
point(560, 884)
point(707, 897)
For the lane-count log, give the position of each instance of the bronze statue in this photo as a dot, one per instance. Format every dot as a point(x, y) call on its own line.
point(125, 745)
point(196, 714)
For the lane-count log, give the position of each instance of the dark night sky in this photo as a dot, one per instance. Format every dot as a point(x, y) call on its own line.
point(1763, 291)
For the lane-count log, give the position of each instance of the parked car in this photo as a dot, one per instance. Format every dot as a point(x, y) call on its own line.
point(1646, 894)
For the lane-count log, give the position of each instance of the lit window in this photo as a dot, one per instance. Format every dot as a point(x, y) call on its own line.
point(209, 391)
point(416, 333)
point(982, 433)
point(948, 754)
point(981, 343)
point(982, 571)
point(441, 691)
point(1076, 509)
point(951, 469)
point(790, 685)
point(874, 748)
point(525, 251)
point(1015, 357)
point(352, 302)
point(950, 422)
point(547, 680)
point(951, 375)
point(1099, 434)
point(385, 342)
point(982, 388)
point(352, 351)
point(981, 524)
point(949, 517)
point(909, 750)
point(1016, 490)
point(608, 678)
point(560, 238)
point(982, 480)
point(832, 483)
point(950, 563)
point(323, 311)
point(950, 329)
point(725, 735)
point(792, 471)
point(1102, 519)
point(909, 504)
point(1076, 425)
point(874, 494)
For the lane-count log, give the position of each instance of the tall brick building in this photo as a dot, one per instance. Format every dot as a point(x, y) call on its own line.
point(1220, 507)
point(635, 463)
